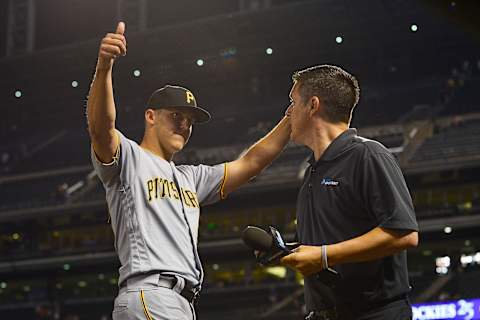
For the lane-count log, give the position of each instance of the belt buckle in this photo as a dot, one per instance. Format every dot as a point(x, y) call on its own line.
point(196, 295)
point(191, 294)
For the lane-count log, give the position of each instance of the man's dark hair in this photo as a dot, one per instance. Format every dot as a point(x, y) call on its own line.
point(337, 90)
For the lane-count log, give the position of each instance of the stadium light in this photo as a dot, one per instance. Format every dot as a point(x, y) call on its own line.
point(476, 257)
point(18, 94)
point(200, 62)
point(441, 270)
point(443, 261)
point(414, 28)
point(466, 260)
point(136, 73)
point(74, 83)
point(447, 230)
point(338, 39)
point(442, 264)
point(269, 51)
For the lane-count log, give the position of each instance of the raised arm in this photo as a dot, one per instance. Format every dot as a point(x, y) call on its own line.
point(101, 105)
point(258, 156)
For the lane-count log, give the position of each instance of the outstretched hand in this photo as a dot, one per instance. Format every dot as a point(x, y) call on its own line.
point(305, 259)
point(112, 46)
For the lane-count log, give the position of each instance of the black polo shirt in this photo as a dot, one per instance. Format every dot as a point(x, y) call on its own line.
point(354, 187)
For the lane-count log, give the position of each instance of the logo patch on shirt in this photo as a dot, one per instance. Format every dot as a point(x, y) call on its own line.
point(329, 182)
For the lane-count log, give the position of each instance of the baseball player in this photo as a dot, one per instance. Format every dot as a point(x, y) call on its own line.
point(154, 204)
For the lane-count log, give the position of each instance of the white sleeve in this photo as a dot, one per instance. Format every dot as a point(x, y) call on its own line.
point(209, 182)
point(123, 164)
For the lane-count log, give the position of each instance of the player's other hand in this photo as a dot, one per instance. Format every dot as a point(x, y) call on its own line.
point(306, 259)
point(113, 45)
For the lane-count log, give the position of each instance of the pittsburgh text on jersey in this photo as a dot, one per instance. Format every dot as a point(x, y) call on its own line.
point(159, 188)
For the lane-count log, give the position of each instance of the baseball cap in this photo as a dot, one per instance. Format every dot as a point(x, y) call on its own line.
point(177, 97)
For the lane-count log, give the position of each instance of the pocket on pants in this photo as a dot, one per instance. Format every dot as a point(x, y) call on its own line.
point(121, 303)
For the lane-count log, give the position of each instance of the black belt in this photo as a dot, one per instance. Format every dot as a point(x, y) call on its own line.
point(188, 292)
point(191, 294)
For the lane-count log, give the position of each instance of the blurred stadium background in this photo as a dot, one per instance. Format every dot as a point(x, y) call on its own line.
point(418, 63)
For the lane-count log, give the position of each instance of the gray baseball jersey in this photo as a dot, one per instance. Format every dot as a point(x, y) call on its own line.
point(145, 205)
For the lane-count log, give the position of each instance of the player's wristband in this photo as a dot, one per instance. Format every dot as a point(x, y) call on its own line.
point(324, 257)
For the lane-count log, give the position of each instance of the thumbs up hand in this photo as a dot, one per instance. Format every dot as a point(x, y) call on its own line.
point(120, 28)
point(112, 46)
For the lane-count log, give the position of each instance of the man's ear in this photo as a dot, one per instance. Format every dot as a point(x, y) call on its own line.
point(150, 116)
point(314, 105)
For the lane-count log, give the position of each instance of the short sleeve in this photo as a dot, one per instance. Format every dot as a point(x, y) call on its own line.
point(122, 165)
point(386, 194)
point(209, 182)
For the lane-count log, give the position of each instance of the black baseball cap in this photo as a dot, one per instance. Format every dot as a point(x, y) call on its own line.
point(177, 97)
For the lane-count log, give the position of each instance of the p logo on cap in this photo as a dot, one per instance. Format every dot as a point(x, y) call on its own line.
point(190, 96)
